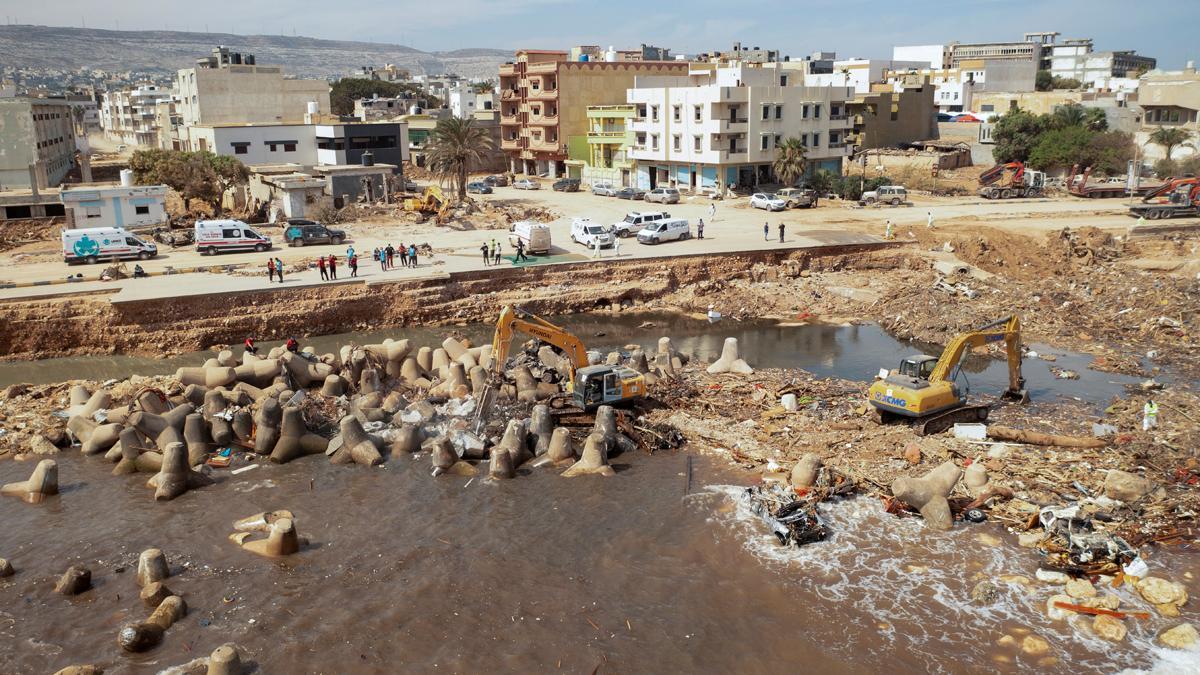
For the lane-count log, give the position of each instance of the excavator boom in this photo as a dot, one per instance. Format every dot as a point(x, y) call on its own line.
point(1007, 330)
point(513, 319)
point(1171, 186)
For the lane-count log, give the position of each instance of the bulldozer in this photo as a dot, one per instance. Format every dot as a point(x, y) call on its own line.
point(588, 387)
point(432, 202)
point(924, 388)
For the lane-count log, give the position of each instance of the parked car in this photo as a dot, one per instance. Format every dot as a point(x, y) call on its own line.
point(587, 232)
point(768, 201)
point(301, 232)
point(798, 197)
point(566, 185)
point(526, 184)
point(536, 236)
point(496, 181)
point(479, 187)
point(665, 230)
point(885, 194)
point(630, 193)
point(663, 195)
point(604, 189)
point(635, 221)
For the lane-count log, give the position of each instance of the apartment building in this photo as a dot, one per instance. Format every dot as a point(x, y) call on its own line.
point(379, 108)
point(463, 101)
point(858, 74)
point(306, 145)
point(231, 88)
point(719, 126)
point(37, 142)
point(1169, 99)
point(955, 88)
point(129, 116)
point(1075, 60)
point(544, 99)
point(605, 155)
point(388, 73)
point(889, 119)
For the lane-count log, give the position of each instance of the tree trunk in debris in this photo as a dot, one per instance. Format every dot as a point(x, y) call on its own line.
point(1037, 438)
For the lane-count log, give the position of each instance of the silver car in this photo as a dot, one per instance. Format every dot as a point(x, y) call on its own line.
point(526, 184)
point(663, 196)
point(605, 189)
point(768, 201)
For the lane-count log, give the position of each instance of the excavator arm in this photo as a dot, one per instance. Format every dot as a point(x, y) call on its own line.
point(1169, 187)
point(513, 319)
point(997, 172)
point(1007, 330)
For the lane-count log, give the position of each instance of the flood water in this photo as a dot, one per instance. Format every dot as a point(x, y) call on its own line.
point(851, 352)
point(410, 573)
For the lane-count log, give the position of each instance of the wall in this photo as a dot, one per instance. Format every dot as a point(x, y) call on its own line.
point(246, 94)
point(221, 140)
point(890, 119)
point(117, 206)
point(35, 131)
point(933, 55)
point(1041, 102)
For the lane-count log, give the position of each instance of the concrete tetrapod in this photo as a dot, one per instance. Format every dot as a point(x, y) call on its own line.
point(561, 450)
point(294, 438)
point(412, 373)
point(501, 465)
point(6, 569)
point(139, 637)
point(214, 409)
point(261, 522)
point(243, 425)
point(425, 358)
point(176, 477)
point(407, 439)
point(77, 579)
point(729, 361)
point(153, 593)
point(526, 385)
point(306, 373)
point(77, 396)
point(356, 445)
point(152, 567)
point(334, 386)
point(195, 394)
point(195, 435)
point(368, 381)
point(225, 660)
point(151, 401)
point(479, 381)
point(212, 376)
point(441, 363)
point(282, 540)
point(100, 400)
point(258, 373)
point(41, 484)
point(541, 428)
point(445, 459)
point(513, 442)
point(928, 494)
point(102, 438)
point(266, 421)
point(594, 459)
point(606, 426)
point(165, 429)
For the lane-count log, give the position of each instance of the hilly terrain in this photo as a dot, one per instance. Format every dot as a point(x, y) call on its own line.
point(63, 48)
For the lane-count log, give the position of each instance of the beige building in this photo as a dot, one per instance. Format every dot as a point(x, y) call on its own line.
point(1039, 102)
point(888, 119)
point(1169, 100)
point(37, 142)
point(130, 116)
point(231, 88)
point(544, 99)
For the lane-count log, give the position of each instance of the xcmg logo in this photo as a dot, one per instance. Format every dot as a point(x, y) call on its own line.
point(891, 400)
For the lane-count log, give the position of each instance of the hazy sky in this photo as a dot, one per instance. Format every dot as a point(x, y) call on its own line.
point(849, 27)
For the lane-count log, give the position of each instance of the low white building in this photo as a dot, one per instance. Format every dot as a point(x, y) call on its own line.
point(859, 74)
point(464, 102)
point(256, 143)
point(720, 125)
point(114, 205)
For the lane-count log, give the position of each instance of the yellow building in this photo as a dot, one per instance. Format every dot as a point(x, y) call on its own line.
point(602, 156)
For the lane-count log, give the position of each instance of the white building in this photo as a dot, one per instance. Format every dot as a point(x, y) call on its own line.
point(115, 205)
point(306, 145)
point(933, 56)
point(1075, 60)
point(859, 74)
point(129, 115)
point(720, 126)
point(464, 102)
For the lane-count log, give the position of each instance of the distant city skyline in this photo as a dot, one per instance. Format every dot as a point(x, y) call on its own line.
point(852, 28)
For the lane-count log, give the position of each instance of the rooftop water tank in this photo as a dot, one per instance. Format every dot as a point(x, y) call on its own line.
point(313, 108)
point(126, 178)
point(368, 158)
point(610, 55)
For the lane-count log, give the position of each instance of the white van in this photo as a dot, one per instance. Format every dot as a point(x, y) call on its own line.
point(636, 221)
point(93, 244)
point(535, 235)
point(587, 232)
point(665, 230)
point(215, 236)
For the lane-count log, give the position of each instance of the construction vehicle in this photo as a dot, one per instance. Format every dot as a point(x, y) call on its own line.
point(587, 386)
point(432, 202)
point(1079, 185)
point(1176, 197)
point(924, 388)
point(1006, 181)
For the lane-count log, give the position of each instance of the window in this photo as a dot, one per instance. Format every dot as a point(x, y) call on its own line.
point(653, 141)
point(816, 139)
point(833, 138)
point(778, 140)
point(641, 139)
point(696, 143)
point(677, 113)
point(142, 210)
point(696, 113)
point(804, 111)
point(783, 80)
point(676, 143)
point(653, 113)
point(240, 148)
point(778, 112)
point(289, 147)
point(804, 140)
point(92, 211)
point(535, 84)
point(766, 112)
point(537, 110)
point(764, 143)
point(816, 111)
point(231, 234)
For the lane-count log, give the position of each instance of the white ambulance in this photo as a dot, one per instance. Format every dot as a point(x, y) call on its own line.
point(94, 244)
point(218, 236)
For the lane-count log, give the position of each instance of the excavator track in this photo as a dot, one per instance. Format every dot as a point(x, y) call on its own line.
point(942, 422)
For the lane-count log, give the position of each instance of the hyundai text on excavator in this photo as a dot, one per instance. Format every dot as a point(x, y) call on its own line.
point(587, 386)
point(993, 183)
point(1176, 197)
point(924, 389)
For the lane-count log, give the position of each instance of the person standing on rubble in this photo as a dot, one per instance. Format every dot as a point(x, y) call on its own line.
point(1149, 415)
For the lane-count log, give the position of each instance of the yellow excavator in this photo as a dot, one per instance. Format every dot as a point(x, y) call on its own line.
point(587, 386)
point(923, 388)
point(431, 202)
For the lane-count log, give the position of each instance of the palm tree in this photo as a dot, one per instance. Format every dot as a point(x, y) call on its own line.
point(789, 161)
point(821, 181)
point(1170, 138)
point(454, 146)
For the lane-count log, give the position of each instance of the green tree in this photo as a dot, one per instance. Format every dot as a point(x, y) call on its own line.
point(1014, 134)
point(1170, 138)
point(1075, 115)
point(1044, 81)
point(483, 87)
point(346, 91)
point(790, 161)
point(822, 181)
point(1106, 152)
point(454, 146)
point(228, 173)
point(194, 175)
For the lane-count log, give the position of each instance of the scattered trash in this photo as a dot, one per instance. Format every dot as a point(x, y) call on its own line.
point(794, 522)
point(970, 431)
point(244, 469)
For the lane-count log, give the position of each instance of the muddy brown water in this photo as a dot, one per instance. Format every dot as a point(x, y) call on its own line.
point(410, 573)
point(851, 352)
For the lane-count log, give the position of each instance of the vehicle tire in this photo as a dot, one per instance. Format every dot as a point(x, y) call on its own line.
point(263, 247)
point(895, 202)
point(981, 414)
point(295, 243)
point(91, 260)
point(144, 255)
point(1007, 194)
point(975, 516)
point(1152, 214)
point(685, 236)
point(871, 202)
point(336, 241)
point(211, 250)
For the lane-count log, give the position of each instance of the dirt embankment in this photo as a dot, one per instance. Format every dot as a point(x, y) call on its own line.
point(92, 325)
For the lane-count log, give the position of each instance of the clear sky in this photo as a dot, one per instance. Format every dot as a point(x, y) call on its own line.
point(865, 28)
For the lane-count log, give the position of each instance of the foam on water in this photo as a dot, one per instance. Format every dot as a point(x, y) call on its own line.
point(911, 589)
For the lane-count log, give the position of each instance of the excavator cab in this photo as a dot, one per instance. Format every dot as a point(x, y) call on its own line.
point(919, 366)
point(595, 386)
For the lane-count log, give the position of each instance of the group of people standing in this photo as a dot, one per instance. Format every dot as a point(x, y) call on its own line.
point(386, 256)
point(492, 252)
point(327, 265)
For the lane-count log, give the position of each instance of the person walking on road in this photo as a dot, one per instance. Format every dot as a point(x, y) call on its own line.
point(700, 229)
point(349, 252)
point(353, 262)
point(889, 231)
point(929, 219)
point(596, 249)
point(712, 212)
point(766, 232)
point(279, 269)
point(487, 254)
point(520, 252)
point(321, 268)
point(781, 232)
point(270, 269)
point(616, 247)
point(412, 255)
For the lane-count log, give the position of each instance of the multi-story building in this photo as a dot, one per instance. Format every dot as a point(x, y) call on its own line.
point(858, 74)
point(597, 53)
point(955, 88)
point(719, 126)
point(1075, 60)
point(605, 156)
point(889, 119)
point(377, 108)
point(1170, 99)
point(464, 101)
point(86, 112)
point(129, 115)
point(306, 145)
point(544, 98)
point(37, 142)
point(388, 73)
point(231, 88)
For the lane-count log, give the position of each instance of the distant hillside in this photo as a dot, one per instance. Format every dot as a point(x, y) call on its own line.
point(166, 51)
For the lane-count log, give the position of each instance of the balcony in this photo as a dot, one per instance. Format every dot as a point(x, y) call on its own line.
point(543, 94)
point(547, 146)
point(543, 67)
point(612, 112)
point(514, 143)
point(735, 125)
point(509, 120)
point(508, 69)
point(508, 94)
point(544, 120)
point(608, 137)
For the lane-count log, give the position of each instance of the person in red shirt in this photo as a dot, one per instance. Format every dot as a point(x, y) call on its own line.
point(332, 267)
point(250, 348)
point(321, 268)
point(270, 269)
point(354, 265)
